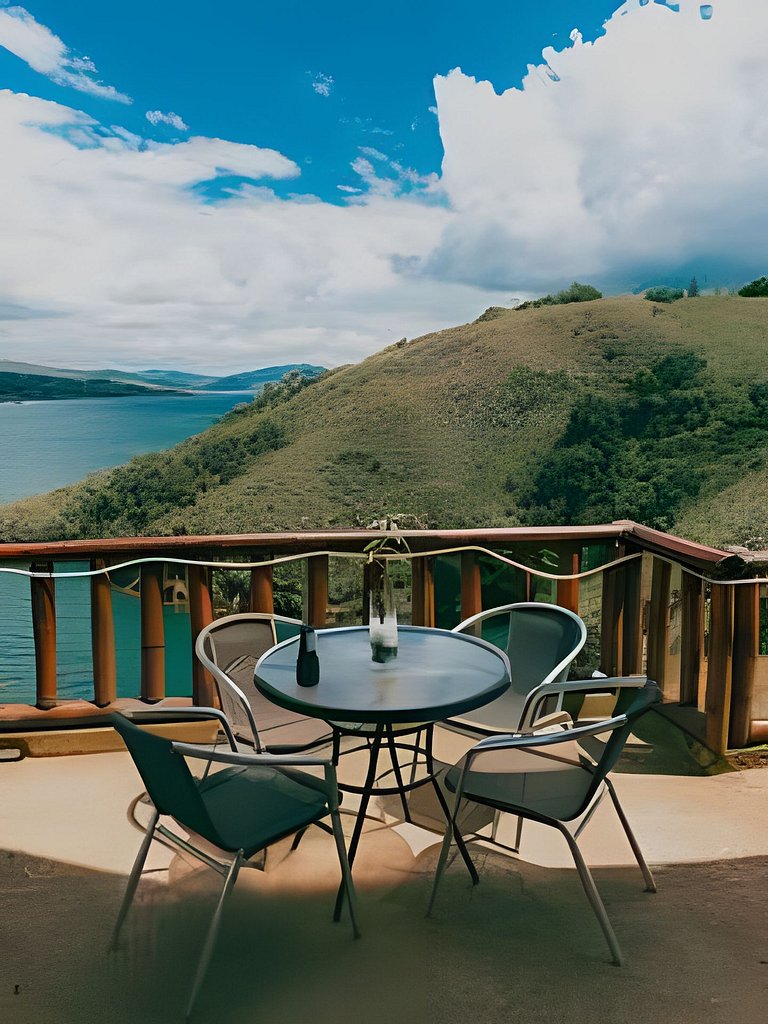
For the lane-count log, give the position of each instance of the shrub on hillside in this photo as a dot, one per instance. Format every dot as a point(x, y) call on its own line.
point(575, 293)
point(755, 289)
point(664, 294)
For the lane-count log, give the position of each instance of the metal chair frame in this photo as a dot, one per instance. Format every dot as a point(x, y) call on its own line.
point(229, 869)
point(534, 741)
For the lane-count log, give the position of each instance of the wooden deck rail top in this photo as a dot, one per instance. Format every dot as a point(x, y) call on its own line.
point(644, 537)
point(634, 610)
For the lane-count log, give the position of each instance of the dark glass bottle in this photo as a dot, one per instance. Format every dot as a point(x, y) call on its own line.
point(307, 665)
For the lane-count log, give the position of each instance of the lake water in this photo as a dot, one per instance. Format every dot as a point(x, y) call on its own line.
point(49, 444)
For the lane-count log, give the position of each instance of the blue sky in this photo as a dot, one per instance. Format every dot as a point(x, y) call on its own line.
point(226, 187)
point(314, 81)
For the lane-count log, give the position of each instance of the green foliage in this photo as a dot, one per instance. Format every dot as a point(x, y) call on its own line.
point(575, 293)
point(152, 485)
point(664, 294)
point(645, 452)
point(25, 387)
point(693, 288)
point(755, 289)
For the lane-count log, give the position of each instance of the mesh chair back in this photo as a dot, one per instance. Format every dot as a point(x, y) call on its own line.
point(229, 648)
point(168, 780)
point(540, 638)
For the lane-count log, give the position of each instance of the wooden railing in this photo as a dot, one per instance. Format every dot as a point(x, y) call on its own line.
point(632, 615)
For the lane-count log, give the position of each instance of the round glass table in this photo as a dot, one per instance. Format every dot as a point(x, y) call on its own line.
point(436, 675)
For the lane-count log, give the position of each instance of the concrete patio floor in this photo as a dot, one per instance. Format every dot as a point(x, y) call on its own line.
point(522, 946)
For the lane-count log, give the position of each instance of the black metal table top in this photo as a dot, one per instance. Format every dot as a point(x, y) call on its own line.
point(436, 675)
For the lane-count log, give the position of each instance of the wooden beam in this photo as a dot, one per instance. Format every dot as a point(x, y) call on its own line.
point(471, 587)
point(746, 640)
point(262, 598)
point(568, 590)
point(102, 637)
point(611, 637)
point(632, 620)
point(43, 594)
point(152, 633)
point(719, 667)
point(658, 622)
point(201, 615)
point(422, 592)
point(692, 638)
point(317, 591)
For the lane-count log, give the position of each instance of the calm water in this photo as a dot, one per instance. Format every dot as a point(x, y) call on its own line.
point(50, 444)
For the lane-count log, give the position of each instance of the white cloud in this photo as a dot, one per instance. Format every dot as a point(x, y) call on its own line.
point(173, 120)
point(623, 167)
point(45, 52)
point(322, 84)
point(646, 152)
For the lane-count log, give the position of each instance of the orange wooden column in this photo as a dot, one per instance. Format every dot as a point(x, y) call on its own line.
point(262, 596)
point(316, 597)
point(746, 641)
point(658, 622)
point(568, 590)
point(719, 667)
point(43, 595)
point(471, 586)
point(692, 638)
point(102, 637)
point(422, 592)
point(201, 615)
point(152, 633)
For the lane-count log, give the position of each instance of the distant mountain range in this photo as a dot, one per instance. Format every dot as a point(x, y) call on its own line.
point(20, 381)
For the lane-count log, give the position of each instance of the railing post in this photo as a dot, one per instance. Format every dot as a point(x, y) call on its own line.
point(632, 619)
point(692, 637)
point(43, 595)
point(102, 637)
point(262, 597)
point(746, 640)
point(317, 591)
point(658, 621)
point(422, 592)
point(611, 638)
point(471, 586)
point(568, 590)
point(200, 615)
point(719, 667)
point(152, 633)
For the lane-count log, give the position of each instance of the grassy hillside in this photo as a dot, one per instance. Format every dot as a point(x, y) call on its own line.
point(575, 413)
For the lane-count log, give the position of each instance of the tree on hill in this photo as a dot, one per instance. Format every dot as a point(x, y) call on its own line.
point(575, 293)
point(663, 294)
point(755, 289)
point(693, 288)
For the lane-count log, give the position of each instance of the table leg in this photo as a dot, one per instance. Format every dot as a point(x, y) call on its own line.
point(439, 793)
point(396, 769)
point(360, 820)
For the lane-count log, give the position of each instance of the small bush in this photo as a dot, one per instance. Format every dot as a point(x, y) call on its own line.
point(575, 293)
point(755, 289)
point(664, 294)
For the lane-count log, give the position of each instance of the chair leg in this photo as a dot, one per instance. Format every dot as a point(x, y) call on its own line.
point(346, 872)
point(298, 837)
point(593, 895)
point(133, 878)
point(441, 864)
point(210, 939)
point(650, 884)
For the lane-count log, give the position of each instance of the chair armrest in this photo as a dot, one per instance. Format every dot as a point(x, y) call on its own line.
point(598, 685)
point(246, 759)
point(520, 741)
point(155, 713)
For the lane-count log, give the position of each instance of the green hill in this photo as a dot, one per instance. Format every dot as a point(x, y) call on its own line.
point(27, 387)
point(252, 380)
point(576, 413)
